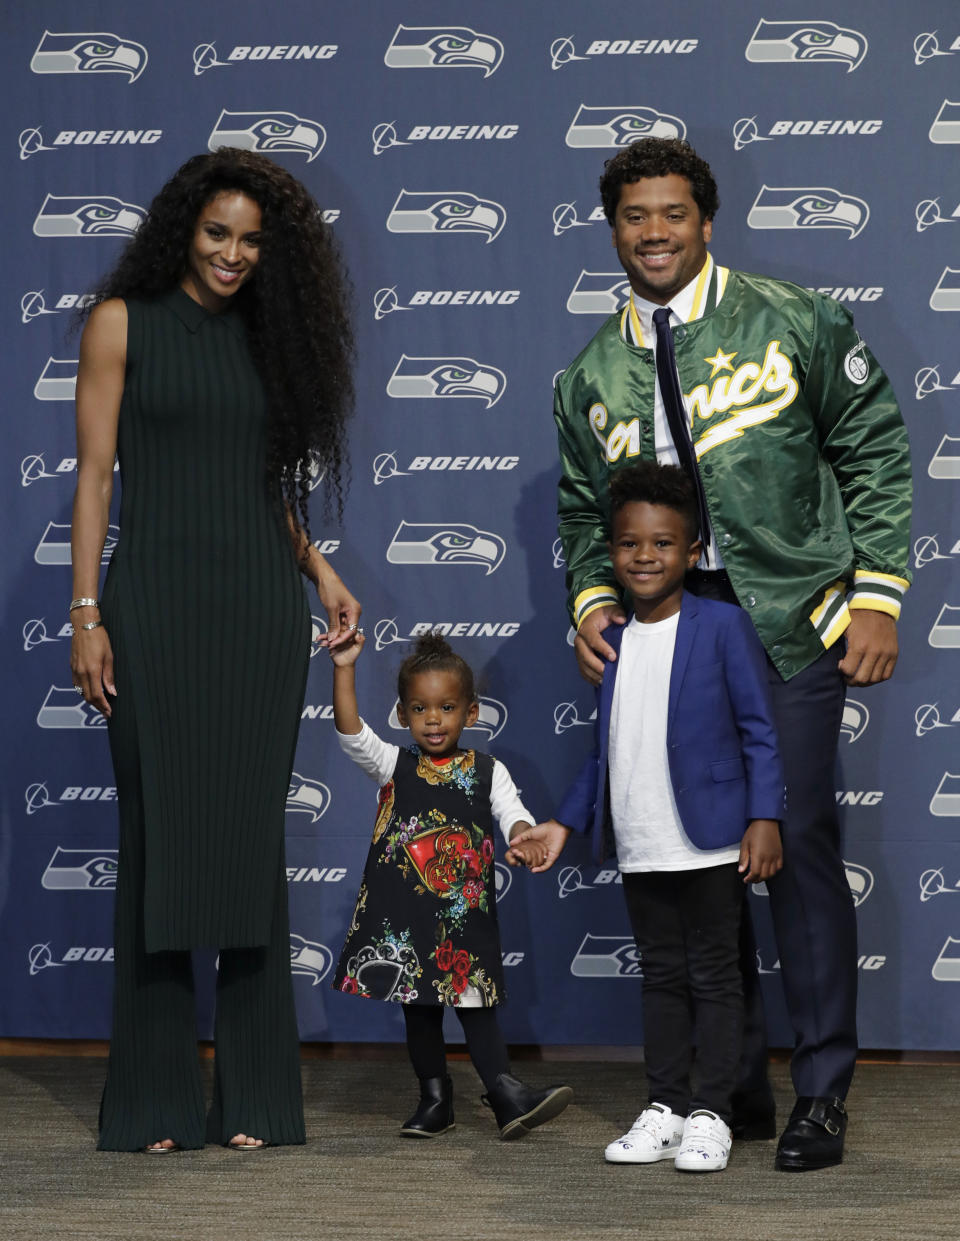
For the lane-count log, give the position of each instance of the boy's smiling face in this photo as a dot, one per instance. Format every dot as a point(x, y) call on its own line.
point(651, 550)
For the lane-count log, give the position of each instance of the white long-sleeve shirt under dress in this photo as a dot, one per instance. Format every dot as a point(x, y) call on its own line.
point(424, 930)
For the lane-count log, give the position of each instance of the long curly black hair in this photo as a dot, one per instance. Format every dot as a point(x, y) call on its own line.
point(296, 310)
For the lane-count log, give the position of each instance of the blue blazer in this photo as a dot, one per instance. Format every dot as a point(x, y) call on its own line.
point(722, 746)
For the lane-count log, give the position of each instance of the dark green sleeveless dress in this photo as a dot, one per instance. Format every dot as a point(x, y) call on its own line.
point(210, 627)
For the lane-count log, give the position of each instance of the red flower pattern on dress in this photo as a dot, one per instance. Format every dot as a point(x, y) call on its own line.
point(486, 850)
point(459, 983)
point(461, 962)
point(444, 956)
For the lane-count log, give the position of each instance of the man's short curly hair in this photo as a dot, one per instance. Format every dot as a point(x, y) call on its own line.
point(658, 157)
point(650, 483)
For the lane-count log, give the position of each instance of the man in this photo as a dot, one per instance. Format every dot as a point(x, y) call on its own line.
point(768, 397)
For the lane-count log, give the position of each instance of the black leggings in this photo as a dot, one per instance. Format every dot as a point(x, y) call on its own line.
point(482, 1031)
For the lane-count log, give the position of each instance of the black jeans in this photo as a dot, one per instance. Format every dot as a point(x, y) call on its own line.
point(687, 927)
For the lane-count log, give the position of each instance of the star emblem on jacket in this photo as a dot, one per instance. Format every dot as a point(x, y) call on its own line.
point(720, 362)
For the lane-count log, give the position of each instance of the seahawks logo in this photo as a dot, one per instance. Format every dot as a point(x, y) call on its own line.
point(803, 42)
point(618, 127)
point(856, 717)
point(446, 544)
point(446, 379)
point(306, 796)
point(96, 216)
point(63, 709)
point(58, 380)
point(443, 47)
point(599, 293)
point(269, 132)
point(89, 53)
point(946, 295)
point(808, 207)
point(54, 545)
point(946, 125)
point(92, 870)
point(859, 881)
point(440, 212)
point(490, 720)
point(309, 960)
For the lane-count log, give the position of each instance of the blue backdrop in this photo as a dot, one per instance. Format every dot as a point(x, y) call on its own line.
point(456, 151)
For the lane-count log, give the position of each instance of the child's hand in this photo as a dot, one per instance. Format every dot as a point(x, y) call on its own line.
point(552, 834)
point(532, 854)
point(761, 853)
point(347, 653)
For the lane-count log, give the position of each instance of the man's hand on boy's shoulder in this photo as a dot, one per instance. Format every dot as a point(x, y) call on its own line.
point(592, 651)
point(551, 836)
point(761, 853)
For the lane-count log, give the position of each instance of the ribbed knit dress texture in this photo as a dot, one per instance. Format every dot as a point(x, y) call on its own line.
point(210, 630)
point(205, 608)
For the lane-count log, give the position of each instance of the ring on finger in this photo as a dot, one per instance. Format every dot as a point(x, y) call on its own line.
point(78, 688)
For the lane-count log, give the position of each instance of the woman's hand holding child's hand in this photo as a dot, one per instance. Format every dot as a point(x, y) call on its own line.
point(346, 654)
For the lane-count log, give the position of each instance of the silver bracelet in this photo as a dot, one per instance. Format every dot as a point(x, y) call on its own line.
point(83, 603)
point(92, 625)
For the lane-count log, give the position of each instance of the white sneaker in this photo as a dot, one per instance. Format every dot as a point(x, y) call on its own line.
point(656, 1134)
point(706, 1142)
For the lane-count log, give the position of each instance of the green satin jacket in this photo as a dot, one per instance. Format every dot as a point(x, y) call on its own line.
point(802, 451)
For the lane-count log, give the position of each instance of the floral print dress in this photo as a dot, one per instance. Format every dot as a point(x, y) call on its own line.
point(424, 929)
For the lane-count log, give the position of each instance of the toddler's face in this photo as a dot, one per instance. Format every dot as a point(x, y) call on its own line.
point(437, 711)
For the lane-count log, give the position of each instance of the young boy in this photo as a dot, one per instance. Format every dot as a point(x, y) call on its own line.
point(685, 735)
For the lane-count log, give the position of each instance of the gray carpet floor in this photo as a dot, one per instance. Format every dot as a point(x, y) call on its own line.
point(356, 1179)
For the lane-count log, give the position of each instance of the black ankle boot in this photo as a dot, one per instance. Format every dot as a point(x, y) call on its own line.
point(435, 1112)
point(519, 1109)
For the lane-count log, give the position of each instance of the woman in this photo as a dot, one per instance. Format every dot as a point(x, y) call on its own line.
point(216, 363)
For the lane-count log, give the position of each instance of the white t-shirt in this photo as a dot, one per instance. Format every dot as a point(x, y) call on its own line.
point(646, 824)
point(379, 759)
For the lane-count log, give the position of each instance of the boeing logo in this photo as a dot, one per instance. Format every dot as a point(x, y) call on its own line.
point(385, 465)
point(932, 883)
point(745, 130)
point(927, 717)
point(926, 549)
point(927, 381)
point(926, 46)
point(563, 52)
point(927, 213)
point(566, 715)
point(34, 633)
point(565, 217)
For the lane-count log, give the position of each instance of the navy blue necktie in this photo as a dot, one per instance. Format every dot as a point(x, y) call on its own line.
point(677, 419)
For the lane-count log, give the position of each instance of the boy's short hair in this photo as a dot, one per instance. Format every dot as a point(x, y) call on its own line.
point(651, 483)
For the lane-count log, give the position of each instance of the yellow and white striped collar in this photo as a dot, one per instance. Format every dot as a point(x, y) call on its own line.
point(692, 302)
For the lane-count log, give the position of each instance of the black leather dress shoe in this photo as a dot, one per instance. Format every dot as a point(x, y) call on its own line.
point(435, 1112)
point(813, 1137)
point(754, 1115)
point(518, 1108)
